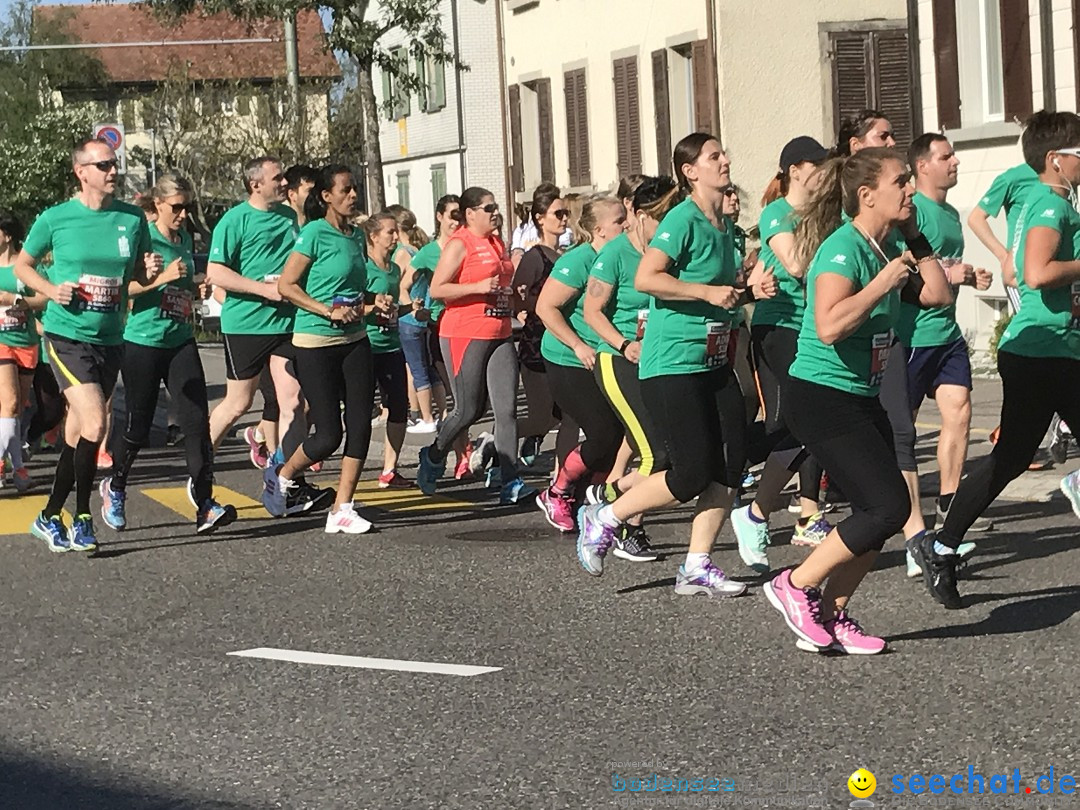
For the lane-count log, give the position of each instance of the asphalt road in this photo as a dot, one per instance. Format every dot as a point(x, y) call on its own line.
point(117, 690)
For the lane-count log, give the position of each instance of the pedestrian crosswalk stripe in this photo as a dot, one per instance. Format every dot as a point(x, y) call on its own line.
point(407, 500)
point(17, 512)
point(176, 499)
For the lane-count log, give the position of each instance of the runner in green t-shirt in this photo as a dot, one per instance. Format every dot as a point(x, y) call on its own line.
point(569, 351)
point(159, 347)
point(1039, 355)
point(1008, 191)
point(854, 286)
point(98, 245)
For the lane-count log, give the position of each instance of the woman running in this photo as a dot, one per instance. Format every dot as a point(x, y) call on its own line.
point(569, 351)
point(473, 279)
point(1039, 354)
point(854, 286)
point(159, 347)
point(686, 380)
point(411, 330)
point(18, 351)
point(325, 277)
point(383, 280)
point(774, 335)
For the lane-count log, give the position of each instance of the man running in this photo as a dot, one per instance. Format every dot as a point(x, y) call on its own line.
point(98, 246)
point(248, 250)
point(299, 180)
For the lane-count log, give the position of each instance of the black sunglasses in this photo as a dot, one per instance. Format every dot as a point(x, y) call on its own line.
point(562, 212)
point(103, 165)
point(177, 207)
point(490, 208)
point(730, 191)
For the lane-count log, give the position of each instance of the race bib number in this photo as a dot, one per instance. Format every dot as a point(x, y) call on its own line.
point(717, 337)
point(272, 278)
point(98, 293)
point(176, 305)
point(498, 303)
point(642, 322)
point(14, 319)
point(1074, 321)
point(880, 346)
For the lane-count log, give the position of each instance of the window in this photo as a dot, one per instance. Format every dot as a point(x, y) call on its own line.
point(577, 127)
point(228, 105)
point(396, 100)
point(872, 69)
point(127, 113)
point(438, 184)
point(627, 115)
point(978, 49)
point(517, 148)
point(532, 144)
point(403, 188)
point(432, 75)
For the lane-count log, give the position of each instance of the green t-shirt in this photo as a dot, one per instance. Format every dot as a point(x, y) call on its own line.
point(255, 244)
point(857, 363)
point(161, 318)
point(787, 306)
point(382, 327)
point(627, 309)
point(1048, 323)
point(96, 250)
point(1009, 191)
point(338, 272)
point(690, 337)
point(424, 264)
point(572, 270)
point(16, 323)
point(920, 327)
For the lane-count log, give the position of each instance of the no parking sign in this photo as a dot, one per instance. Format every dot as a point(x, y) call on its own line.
point(113, 134)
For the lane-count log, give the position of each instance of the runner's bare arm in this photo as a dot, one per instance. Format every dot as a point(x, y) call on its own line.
point(597, 295)
point(26, 272)
point(654, 279)
point(229, 280)
point(1041, 270)
point(553, 297)
point(444, 284)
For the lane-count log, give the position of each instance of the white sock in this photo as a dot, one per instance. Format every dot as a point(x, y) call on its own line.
point(606, 516)
point(695, 561)
point(11, 441)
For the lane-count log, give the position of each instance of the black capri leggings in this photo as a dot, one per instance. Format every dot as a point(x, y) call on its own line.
point(330, 376)
point(852, 438)
point(50, 403)
point(271, 411)
point(576, 393)
point(618, 380)
point(896, 400)
point(701, 419)
point(393, 385)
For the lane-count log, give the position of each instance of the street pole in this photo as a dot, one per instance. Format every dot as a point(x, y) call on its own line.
point(153, 157)
point(292, 71)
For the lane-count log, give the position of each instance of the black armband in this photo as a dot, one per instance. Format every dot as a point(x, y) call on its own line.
point(920, 247)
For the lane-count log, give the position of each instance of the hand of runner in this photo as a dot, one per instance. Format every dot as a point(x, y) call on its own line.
point(270, 291)
point(587, 356)
point(488, 285)
point(961, 274)
point(983, 279)
point(766, 285)
point(419, 312)
point(174, 271)
point(341, 314)
point(154, 264)
point(64, 293)
point(633, 352)
point(895, 274)
point(385, 303)
point(723, 297)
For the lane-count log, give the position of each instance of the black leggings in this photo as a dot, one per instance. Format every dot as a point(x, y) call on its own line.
point(618, 380)
point(1033, 389)
point(852, 437)
point(393, 385)
point(144, 369)
point(49, 403)
point(576, 393)
point(271, 411)
point(896, 400)
point(330, 376)
point(702, 421)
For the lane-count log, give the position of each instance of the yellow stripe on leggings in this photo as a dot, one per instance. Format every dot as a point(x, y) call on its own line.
point(615, 394)
point(56, 362)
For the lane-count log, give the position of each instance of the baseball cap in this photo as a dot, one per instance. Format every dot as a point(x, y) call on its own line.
point(800, 150)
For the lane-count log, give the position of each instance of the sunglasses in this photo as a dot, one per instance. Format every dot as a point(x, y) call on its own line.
point(730, 191)
point(178, 207)
point(562, 213)
point(490, 208)
point(103, 165)
point(1071, 152)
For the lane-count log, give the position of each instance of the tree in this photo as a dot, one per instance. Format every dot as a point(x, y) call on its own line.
point(356, 30)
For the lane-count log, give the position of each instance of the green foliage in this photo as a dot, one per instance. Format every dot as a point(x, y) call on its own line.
point(995, 337)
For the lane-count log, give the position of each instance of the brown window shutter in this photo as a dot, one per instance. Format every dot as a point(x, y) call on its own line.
point(947, 63)
point(1016, 58)
point(704, 87)
point(622, 144)
point(570, 91)
point(1076, 47)
point(584, 162)
point(852, 74)
point(547, 130)
point(577, 127)
point(662, 109)
point(633, 116)
point(517, 155)
point(892, 80)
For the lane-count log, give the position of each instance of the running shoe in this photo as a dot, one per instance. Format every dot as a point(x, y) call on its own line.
point(275, 497)
point(939, 570)
point(394, 480)
point(632, 543)
point(22, 480)
point(848, 637)
point(345, 520)
point(81, 535)
point(213, 516)
point(981, 524)
point(190, 489)
point(558, 510)
point(173, 436)
point(817, 528)
point(52, 531)
point(493, 477)
point(801, 609)
point(748, 481)
point(310, 498)
point(1059, 441)
point(753, 539)
point(963, 551)
point(461, 470)
point(515, 491)
point(530, 449)
point(257, 450)
point(596, 493)
point(104, 459)
point(316, 467)
point(4, 470)
point(1070, 488)
point(429, 472)
point(421, 427)
point(708, 580)
point(594, 540)
point(483, 453)
point(112, 505)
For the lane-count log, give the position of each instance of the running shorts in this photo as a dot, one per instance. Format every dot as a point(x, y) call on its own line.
point(247, 355)
point(931, 366)
point(75, 363)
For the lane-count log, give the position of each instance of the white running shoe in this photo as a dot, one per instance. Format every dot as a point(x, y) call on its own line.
point(420, 426)
point(345, 520)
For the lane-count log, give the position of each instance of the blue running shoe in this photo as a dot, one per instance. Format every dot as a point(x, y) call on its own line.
point(516, 491)
point(213, 516)
point(1070, 488)
point(81, 534)
point(429, 472)
point(112, 506)
point(52, 531)
point(594, 539)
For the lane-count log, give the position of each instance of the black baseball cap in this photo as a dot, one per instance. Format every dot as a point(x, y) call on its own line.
point(802, 150)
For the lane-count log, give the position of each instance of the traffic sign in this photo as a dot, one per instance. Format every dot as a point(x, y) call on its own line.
point(113, 134)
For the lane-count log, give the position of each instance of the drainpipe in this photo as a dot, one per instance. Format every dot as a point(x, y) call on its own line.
point(1046, 32)
point(457, 88)
point(500, 34)
point(916, 65)
point(710, 28)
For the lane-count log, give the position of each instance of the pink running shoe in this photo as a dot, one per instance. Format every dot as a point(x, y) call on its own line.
point(394, 480)
point(851, 638)
point(463, 470)
point(257, 451)
point(801, 609)
point(558, 511)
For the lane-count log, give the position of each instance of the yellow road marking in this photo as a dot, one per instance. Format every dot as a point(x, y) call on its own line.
point(17, 512)
point(407, 500)
point(928, 426)
point(176, 499)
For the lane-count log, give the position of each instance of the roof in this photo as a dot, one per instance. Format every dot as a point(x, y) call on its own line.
point(122, 22)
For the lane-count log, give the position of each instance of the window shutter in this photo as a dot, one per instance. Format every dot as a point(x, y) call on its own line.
point(704, 87)
point(852, 79)
point(438, 86)
point(627, 116)
point(423, 99)
point(547, 129)
point(662, 109)
point(892, 78)
point(622, 145)
point(577, 127)
point(946, 63)
point(1016, 58)
point(387, 92)
point(517, 155)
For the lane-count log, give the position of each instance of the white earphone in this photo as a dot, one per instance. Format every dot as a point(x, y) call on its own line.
point(1056, 164)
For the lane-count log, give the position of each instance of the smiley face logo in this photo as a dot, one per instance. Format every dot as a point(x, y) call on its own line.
point(862, 784)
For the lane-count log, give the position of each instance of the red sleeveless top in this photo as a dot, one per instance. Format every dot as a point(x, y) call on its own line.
point(486, 317)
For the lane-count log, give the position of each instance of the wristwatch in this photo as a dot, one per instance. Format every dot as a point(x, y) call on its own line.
point(622, 349)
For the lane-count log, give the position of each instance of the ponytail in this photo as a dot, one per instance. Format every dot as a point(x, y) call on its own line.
point(820, 215)
point(777, 188)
